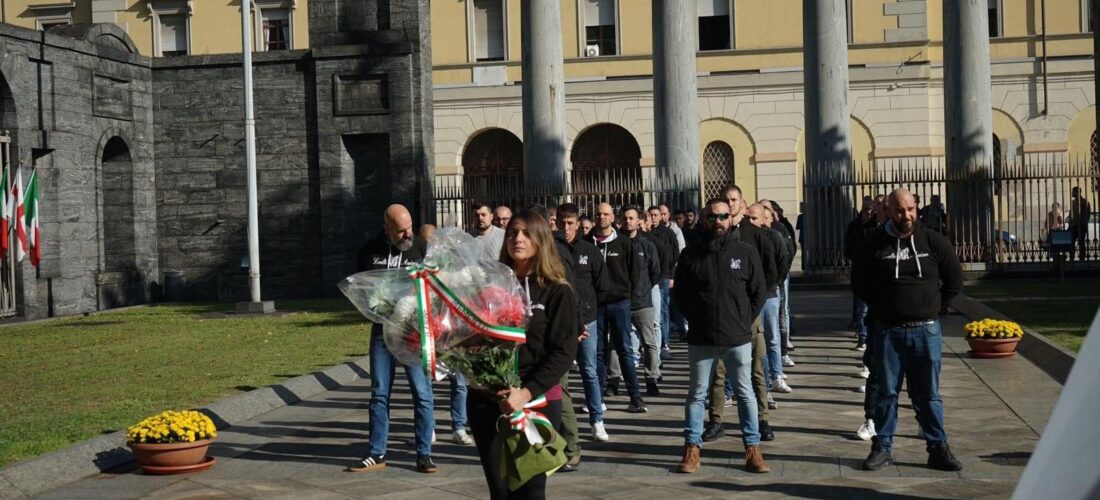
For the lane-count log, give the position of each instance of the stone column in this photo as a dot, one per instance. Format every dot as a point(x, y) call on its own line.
point(675, 90)
point(828, 141)
point(968, 124)
point(543, 95)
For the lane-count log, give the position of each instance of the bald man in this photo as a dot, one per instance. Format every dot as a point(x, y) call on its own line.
point(613, 318)
point(760, 217)
point(395, 248)
point(905, 273)
point(501, 216)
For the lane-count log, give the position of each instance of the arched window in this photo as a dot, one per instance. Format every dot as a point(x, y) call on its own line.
point(492, 163)
point(717, 168)
point(1094, 151)
point(607, 166)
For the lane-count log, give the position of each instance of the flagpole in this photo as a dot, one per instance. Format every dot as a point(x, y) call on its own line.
point(256, 304)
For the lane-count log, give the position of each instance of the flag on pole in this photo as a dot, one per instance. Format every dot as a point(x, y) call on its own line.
point(30, 207)
point(17, 214)
point(5, 216)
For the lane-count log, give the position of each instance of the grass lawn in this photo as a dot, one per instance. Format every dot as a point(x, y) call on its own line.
point(1062, 312)
point(68, 380)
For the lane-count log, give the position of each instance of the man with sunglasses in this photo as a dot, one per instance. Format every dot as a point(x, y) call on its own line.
point(720, 290)
point(755, 238)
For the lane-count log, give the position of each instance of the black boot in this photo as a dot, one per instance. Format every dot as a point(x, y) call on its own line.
point(612, 388)
point(766, 433)
point(941, 458)
point(651, 388)
point(713, 431)
point(878, 458)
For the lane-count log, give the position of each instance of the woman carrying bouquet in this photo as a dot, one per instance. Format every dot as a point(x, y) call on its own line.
point(546, 356)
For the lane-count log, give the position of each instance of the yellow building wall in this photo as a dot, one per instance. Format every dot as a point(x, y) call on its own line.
point(760, 25)
point(215, 26)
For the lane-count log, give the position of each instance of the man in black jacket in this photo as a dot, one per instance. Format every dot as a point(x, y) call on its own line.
point(720, 290)
point(647, 273)
point(905, 273)
point(753, 237)
point(613, 313)
point(858, 229)
point(395, 248)
point(669, 247)
point(590, 281)
point(769, 315)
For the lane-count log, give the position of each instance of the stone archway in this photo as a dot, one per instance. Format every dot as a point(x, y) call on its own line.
point(607, 166)
point(120, 283)
point(492, 164)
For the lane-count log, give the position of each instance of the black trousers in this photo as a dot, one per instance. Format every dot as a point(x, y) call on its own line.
point(483, 414)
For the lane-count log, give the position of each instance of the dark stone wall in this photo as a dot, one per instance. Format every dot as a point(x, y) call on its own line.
point(201, 190)
point(71, 91)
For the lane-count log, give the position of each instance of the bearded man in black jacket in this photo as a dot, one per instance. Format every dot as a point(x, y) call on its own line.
point(720, 289)
point(905, 273)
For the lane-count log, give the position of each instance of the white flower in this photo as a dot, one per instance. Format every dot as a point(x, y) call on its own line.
point(405, 310)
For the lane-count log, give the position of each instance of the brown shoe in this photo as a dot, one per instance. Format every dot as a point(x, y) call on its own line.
point(690, 462)
point(754, 460)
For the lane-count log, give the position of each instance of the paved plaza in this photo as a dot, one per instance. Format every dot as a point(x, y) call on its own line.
point(995, 410)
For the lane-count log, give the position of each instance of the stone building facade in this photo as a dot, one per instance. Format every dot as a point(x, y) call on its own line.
point(142, 160)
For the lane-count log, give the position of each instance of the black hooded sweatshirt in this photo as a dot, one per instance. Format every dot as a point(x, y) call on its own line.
point(589, 277)
point(552, 332)
point(647, 267)
point(618, 257)
point(899, 288)
point(378, 253)
point(719, 290)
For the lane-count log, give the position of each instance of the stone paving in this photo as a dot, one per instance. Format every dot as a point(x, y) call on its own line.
point(995, 410)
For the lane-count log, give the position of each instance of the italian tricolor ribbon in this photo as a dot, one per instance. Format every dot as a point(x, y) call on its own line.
point(425, 277)
point(524, 420)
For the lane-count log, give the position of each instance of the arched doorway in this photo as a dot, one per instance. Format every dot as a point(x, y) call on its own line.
point(718, 168)
point(492, 165)
point(120, 283)
point(607, 166)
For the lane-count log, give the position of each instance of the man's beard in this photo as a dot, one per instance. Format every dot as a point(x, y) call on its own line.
point(404, 245)
point(904, 226)
point(717, 234)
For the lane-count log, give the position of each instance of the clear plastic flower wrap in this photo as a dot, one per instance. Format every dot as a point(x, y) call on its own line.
point(456, 306)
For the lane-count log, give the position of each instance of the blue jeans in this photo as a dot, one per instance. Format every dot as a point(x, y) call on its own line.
point(701, 361)
point(589, 367)
point(769, 319)
point(914, 353)
point(664, 315)
point(382, 368)
point(860, 317)
point(785, 312)
point(613, 324)
point(458, 402)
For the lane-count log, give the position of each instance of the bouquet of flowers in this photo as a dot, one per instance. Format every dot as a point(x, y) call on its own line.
point(456, 307)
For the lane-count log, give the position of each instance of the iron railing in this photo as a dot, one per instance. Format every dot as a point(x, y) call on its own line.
point(455, 196)
point(997, 217)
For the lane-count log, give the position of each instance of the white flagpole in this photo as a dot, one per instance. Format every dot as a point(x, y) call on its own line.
point(250, 154)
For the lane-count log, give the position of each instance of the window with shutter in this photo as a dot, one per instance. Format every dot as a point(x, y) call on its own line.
point(600, 27)
point(489, 30)
point(173, 35)
point(715, 28)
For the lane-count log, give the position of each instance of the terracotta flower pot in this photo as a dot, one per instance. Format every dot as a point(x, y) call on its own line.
point(170, 454)
point(992, 348)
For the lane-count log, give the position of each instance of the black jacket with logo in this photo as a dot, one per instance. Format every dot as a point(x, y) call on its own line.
point(589, 277)
point(647, 271)
point(720, 290)
point(668, 247)
point(618, 257)
point(899, 287)
point(552, 332)
point(378, 253)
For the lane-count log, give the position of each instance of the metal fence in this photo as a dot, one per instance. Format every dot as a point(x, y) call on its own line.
point(997, 217)
point(455, 195)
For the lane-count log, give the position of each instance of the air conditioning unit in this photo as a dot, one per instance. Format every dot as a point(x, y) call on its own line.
point(592, 51)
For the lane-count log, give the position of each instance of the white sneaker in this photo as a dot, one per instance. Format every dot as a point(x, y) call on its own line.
point(787, 362)
point(584, 408)
point(865, 372)
point(412, 442)
point(772, 405)
point(603, 408)
point(867, 430)
point(778, 385)
point(599, 433)
point(783, 376)
point(863, 388)
point(790, 345)
point(461, 437)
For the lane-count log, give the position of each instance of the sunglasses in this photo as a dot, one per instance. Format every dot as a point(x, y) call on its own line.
point(722, 216)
